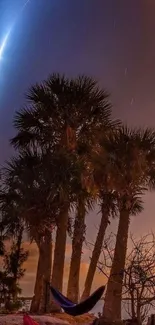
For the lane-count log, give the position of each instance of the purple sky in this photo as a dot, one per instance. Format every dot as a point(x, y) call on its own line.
point(111, 40)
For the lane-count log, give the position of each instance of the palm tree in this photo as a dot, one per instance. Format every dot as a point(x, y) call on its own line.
point(24, 198)
point(41, 183)
point(77, 242)
point(108, 209)
point(112, 310)
point(69, 189)
point(86, 198)
point(130, 158)
point(62, 113)
point(107, 199)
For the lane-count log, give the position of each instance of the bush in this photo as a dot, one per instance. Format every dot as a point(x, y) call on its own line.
point(13, 306)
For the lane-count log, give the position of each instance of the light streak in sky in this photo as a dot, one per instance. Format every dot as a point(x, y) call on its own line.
point(25, 4)
point(4, 41)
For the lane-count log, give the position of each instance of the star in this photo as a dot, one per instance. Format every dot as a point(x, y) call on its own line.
point(125, 71)
point(132, 101)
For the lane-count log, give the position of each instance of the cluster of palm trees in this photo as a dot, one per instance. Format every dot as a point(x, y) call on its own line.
point(71, 155)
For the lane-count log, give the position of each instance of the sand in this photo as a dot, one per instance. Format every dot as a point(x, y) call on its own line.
point(56, 319)
point(15, 319)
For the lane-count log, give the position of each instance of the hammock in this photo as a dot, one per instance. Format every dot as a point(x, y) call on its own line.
point(77, 309)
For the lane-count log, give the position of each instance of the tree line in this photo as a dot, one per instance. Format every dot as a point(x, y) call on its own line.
point(71, 155)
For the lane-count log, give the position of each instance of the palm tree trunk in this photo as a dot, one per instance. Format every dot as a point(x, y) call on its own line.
point(59, 252)
point(40, 303)
point(113, 297)
point(38, 284)
point(77, 242)
point(96, 253)
point(18, 249)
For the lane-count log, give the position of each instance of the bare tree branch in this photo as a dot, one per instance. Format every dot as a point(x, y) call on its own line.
point(139, 278)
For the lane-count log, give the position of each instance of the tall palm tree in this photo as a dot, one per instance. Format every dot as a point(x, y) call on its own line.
point(108, 210)
point(69, 190)
point(115, 281)
point(36, 183)
point(107, 199)
point(130, 160)
point(24, 198)
point(85, 201)
point(66, 113)
point(77, 243)
point(42, 183)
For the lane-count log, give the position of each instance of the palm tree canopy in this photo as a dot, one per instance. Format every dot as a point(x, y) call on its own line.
point(125, 164)
point(61, 106)
point(37, 185)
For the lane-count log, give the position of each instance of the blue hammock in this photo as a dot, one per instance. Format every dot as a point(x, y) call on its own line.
point(77, 309)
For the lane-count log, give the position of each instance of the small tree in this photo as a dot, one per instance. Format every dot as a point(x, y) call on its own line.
point(139, 278)
point(13, 264)
point(138, 295)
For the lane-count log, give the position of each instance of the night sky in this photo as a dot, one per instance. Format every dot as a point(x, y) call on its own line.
point(111, 40)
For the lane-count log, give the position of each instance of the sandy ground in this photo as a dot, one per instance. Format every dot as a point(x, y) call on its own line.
point(60, 319)
point(42, 320)
point(83, 319)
